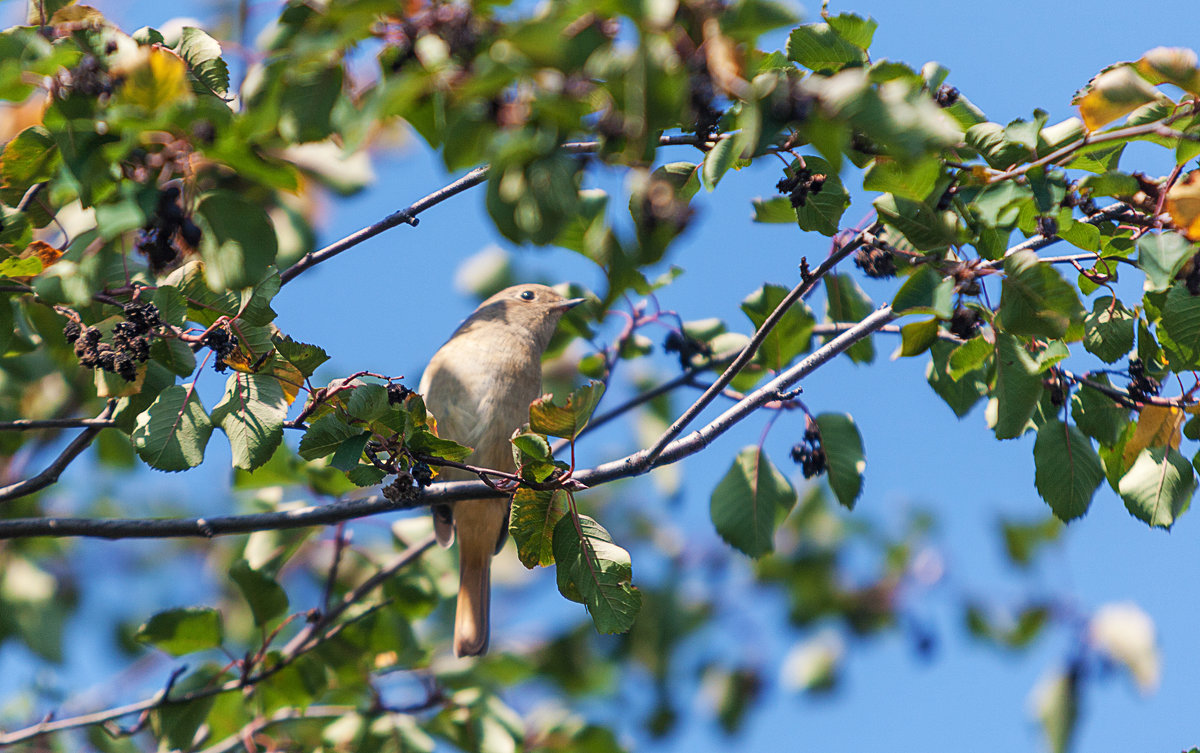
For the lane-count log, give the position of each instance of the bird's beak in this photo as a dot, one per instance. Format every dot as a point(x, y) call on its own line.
point(570, 303)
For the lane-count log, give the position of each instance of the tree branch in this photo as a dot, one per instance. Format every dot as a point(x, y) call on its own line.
point(55, 469)
point(631, 465)
point(305, 641)
point(804, 288)
point(408, 215)
point(30, 424)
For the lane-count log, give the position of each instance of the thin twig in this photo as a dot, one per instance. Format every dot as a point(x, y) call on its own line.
point(238, 739)
point(56, 468)
point(304, 642)
point(408, 215)
point(806, 285)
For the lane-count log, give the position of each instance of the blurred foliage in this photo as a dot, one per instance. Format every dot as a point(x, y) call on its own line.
point(151, 205)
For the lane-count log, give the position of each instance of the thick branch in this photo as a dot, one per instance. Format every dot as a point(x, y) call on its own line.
point(31, 424)
point(55, 469)
point(631, 465)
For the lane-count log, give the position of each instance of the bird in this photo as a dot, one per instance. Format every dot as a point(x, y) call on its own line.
point(478, 387)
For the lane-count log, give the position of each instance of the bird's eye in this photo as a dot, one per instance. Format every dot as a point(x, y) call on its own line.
point(527, 295)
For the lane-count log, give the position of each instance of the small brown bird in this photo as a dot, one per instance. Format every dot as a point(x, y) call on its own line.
point(479, 386)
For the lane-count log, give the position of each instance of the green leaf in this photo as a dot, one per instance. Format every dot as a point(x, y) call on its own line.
point(925, 227)
point(819, 47)
point(368, 402)
point(1180, 327)
point(822, 211)
point(251, 306)
point(750, 501)
point(1056, 705)
point(30, 157)
point(171, 305)
point(1158, 487)
point(252, 414)
point(238, 242)
point(1108, 330)
point(596, 570)
point(792, 333)
point(915, 181)
point(535, 513)
point(324, 436)
point(426, 443)
point(172, 433)
point(926, 292)
point(1068, 470)
point(266, 597)
point(303, 356)
point(969, 357)
point(1098, 415)
point(916, 337)
point(350, 451)
point(1018, 387)
point(307, 102)
point(567, 420)
point(777, 209)
point(1035, 300)
point(845, 301)
point(183, 631)
point(718, 161)
point(844, 456)
point(203, 54)
point(1161, 256)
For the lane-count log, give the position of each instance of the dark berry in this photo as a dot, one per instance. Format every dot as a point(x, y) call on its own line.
point(946, 96)
point(422, 474)
point(1047, 226)
point(875, 262)
point(72, 330)
point(397, 393)
point(965, 323)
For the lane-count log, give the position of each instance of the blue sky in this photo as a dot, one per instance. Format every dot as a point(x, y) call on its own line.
point(1008, 58)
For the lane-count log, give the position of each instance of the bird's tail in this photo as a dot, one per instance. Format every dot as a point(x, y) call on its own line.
point(474, 601)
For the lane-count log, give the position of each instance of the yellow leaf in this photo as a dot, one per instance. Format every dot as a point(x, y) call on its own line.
point(1172, 65)
point(1157, 426)
point(1183, 204)
point(158, 79)
point(1113, 93)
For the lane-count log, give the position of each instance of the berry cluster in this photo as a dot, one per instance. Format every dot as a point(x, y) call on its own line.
point(157, 239)
point(408, 484)
point(686, 346)
point(1047, 227)
point(965, 323)
point(89, 78)
point(876, 261)
point(800, 185)
point(397, 393)
point(1141, 384)
point(223, 343)
point(809, 454)
point(453, 23)
point(945, 96)
point(129, 347)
